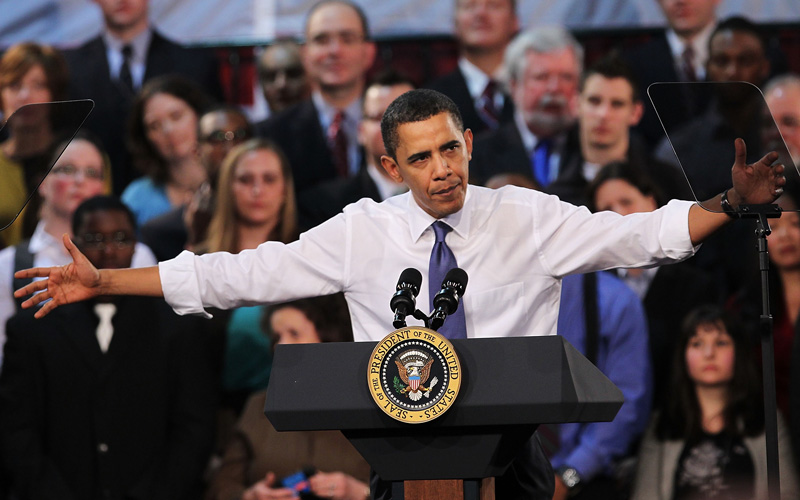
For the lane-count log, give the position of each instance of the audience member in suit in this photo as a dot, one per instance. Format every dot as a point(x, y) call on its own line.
point(319, 135)
point(782, 94)
point(678, 54)
point(218, 131)
point(667, 292)
point(163, 143)
point(258, 457)
point(608, 106)
point(29, 73)
point(322, 202)
point(736, 53)
point(79, 173)
point(543, 66)
point(281, 76)
point(112, 67)
point(483, 28)
point(107, 399)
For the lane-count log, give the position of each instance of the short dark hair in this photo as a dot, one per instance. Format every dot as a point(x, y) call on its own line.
point(739, 24)
point(415, 106)
point(613, 67)
point(362, 16)
point(743, 413)
point(628, 172)
point(229, 110)
point(329, 315)
point(388, 78)
point(97, 204)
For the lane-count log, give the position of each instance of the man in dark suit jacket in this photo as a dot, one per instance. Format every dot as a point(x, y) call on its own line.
point(678, 54)
point(111, 68)
point(322, 202)
point(543, 66)
point(319, 135)
point(90, 412)
point(483, 29)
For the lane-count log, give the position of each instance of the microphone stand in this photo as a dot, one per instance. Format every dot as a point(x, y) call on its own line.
point(761, 213)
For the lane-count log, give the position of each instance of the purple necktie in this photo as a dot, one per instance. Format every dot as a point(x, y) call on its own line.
point(443, 260)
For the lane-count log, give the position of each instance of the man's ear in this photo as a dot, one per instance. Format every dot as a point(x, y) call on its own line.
point(468, 141)
point(390, 165)
point(638, 111)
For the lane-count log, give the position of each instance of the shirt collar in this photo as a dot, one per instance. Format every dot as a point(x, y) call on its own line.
point(419, 220)
point(140, 44)
point(475, 78)
point(327, 112)
point(41, 240)
point(700, 45)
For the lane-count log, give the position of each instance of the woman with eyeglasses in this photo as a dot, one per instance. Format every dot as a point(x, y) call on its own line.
point(30, 73)
point(162, 139)
point(80, 173)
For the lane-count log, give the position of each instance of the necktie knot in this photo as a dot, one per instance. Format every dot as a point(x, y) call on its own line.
point(127, 52)
point(486, 106)
point(440, 230)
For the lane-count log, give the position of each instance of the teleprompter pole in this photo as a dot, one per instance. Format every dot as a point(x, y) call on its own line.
point(761, 213)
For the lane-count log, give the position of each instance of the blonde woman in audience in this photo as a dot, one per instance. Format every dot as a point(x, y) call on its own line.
point(30, 73)
point(258, 457)
point(709, 440)
point(255, 202)
point(162, 140)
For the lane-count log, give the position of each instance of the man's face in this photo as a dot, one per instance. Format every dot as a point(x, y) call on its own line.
point(689, 17)
point(485, 24)
point(107, 238)
point(546, 91)
point(121, 14)
point(736, 56)
point(336, 54)
point(376, 99)
point(433, 160)
point(282, 77)
point(606, 111)
point(784, 104)
point(219, 132)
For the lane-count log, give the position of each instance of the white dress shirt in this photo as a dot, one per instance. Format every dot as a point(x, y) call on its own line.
point(47, 251)
point(514, 244)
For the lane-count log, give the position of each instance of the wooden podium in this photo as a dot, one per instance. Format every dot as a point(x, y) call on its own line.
point(509, 386)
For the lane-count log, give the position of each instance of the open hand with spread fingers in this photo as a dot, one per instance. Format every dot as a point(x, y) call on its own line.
point(757, 183)
point(76, 281)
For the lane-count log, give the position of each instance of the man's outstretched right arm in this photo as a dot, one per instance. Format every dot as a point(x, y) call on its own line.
point(80, 280)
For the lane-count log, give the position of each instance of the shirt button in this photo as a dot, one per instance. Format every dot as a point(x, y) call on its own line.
point(102, 448)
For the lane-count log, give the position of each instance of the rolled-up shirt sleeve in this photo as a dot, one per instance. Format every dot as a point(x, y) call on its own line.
point(271, 273)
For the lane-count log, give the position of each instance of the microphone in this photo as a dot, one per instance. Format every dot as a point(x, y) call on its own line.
point(446, 300)
point(404, 300)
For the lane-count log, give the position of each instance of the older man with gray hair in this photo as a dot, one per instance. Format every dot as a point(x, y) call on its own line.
point(543, 67)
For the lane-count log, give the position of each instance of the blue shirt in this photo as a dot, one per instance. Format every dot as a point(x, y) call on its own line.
point(623, 356)
point(146, 199)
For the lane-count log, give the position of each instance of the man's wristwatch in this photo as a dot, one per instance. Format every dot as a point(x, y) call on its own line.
point(726, 206)
point(570, 477)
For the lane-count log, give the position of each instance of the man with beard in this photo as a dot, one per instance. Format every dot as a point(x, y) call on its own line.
point(543, 67)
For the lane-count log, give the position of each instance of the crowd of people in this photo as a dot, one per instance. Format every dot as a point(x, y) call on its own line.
point(121, 398)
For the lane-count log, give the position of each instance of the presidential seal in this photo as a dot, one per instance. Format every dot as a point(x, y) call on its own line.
point(414, 375)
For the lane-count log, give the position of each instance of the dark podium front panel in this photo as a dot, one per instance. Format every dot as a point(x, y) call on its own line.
point(509, 386)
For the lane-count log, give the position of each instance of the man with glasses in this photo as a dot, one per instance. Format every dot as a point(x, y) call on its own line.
point(218, 131)
point(112, 398)
point(319, 135)
point(79, 173)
